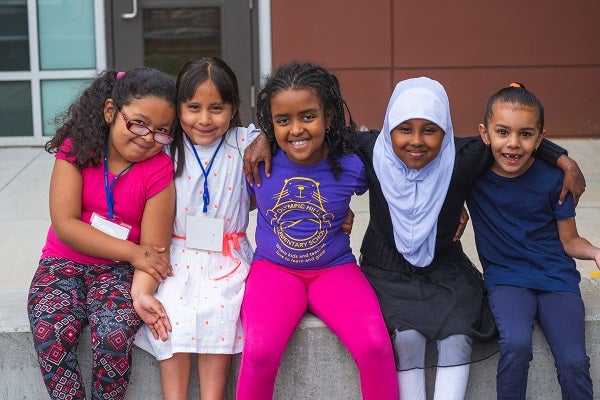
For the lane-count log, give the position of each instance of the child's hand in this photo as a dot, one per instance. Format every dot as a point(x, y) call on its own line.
point(258, 151)
point(154, 261)
point(462, 224)
point(573, 181)
point(152, 312)
point(348, 223)
point(597, 259)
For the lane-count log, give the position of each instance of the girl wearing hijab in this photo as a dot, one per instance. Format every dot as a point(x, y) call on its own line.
point(427, 287)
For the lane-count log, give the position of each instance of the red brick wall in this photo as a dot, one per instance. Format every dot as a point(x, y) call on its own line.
point(472, 48)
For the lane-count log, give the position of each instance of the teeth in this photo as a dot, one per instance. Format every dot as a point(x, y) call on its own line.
point(299, 143)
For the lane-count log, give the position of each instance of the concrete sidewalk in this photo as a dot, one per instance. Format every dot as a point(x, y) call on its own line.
point(24, 219)
point(314, 352)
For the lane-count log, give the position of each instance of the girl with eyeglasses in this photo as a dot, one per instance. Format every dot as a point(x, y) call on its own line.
point(112, 202)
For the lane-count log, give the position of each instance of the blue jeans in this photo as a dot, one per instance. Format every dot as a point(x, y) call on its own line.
point(561, 317)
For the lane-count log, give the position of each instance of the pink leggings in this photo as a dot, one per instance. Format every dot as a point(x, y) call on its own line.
point(275, 300)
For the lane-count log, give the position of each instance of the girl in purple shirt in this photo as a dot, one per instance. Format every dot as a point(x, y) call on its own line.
point(303, 261)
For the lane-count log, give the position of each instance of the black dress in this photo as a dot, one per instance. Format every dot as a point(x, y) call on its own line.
point(446, 297)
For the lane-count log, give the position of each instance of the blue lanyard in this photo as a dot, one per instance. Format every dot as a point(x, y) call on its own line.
point(108, 187)
point(205, 172)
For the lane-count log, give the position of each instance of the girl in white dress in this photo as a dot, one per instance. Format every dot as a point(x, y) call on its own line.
point(196, 311)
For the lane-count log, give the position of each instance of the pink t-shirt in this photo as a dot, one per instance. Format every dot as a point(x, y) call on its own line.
point(131, 190)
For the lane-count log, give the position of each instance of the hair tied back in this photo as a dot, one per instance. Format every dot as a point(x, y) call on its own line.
point(516, 85)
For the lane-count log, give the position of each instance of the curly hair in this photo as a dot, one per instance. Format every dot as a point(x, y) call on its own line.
point(193, 74)
point(83, 122)
point(341, 135)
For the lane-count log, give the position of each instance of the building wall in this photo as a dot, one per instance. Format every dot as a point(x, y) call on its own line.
point(472, 48)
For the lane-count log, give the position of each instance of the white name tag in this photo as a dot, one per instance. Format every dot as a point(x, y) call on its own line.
point(204, 233)
point(112, 228)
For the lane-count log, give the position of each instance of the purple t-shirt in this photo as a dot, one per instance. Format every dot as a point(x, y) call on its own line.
point(301, 209)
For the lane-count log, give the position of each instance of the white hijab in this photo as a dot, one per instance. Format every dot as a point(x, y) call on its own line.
point(415, 197)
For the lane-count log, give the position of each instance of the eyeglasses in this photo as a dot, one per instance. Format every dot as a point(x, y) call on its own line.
point(141, 130)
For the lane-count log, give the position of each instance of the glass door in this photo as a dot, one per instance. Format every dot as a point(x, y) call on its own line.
point(165, 34)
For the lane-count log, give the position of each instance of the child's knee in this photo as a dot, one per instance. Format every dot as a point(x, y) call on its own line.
point(61, 329)
point(454, 350)
point(573, 363)
point(516, 346)
point(409, 347)
point(256, 355)
point(373, 347)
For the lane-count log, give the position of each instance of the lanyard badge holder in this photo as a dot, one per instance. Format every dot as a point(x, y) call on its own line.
point(202, 232)
point(111, 224)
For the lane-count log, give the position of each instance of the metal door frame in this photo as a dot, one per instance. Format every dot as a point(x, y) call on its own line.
point(125, 44)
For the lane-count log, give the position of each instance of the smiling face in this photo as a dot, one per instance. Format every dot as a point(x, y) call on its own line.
point(513, 135)
point(299, 123)
point(205, 117)
point(125, 147)
point(416, 142)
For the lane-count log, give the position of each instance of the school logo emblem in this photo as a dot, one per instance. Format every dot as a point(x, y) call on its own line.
point(299, 217)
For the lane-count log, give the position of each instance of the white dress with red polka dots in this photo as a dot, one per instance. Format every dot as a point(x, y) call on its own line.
point(204, 296)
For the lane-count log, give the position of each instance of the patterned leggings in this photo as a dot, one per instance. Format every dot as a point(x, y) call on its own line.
point(63, 298)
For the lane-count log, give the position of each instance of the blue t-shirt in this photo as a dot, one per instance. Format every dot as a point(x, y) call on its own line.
point(514, 220)
point(301, 209)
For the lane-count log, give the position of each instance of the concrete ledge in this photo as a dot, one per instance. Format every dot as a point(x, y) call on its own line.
point(315, 366)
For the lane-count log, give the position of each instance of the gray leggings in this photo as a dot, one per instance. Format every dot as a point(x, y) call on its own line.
point(409, 347)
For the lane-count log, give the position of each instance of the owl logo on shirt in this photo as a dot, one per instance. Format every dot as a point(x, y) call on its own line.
point(299, 217)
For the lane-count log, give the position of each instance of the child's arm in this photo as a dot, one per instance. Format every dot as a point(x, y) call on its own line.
point(256, 152)
point(463, 220)
point(66, 186)
point(574, 181)
point(150, 310)
point(156, 229)
point(348, 222)
point(575, 245)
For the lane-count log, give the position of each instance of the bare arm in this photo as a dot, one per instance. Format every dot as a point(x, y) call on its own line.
point(462, 224)
point(574, 181)
point(66, 186)
point(258, 151)
point(156, 229)
point(575, 245)
point(348, 222)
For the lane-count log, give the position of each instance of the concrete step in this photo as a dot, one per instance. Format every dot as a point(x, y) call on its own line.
point(316, 364)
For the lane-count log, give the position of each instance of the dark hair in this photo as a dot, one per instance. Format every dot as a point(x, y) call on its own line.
point(515, 93)
point(341, 135)
point(193, 74)
point(84, 122)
